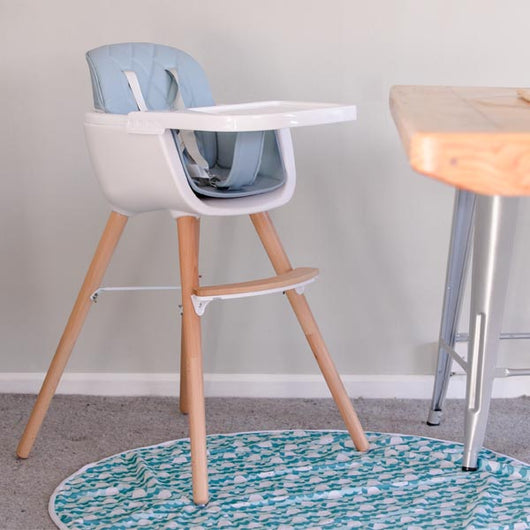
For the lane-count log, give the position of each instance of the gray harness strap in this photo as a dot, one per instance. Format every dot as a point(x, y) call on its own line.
point(248, 148)
point(187, 138)
point(247, 160)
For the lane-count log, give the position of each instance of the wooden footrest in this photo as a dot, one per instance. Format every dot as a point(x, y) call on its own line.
point(295, 279)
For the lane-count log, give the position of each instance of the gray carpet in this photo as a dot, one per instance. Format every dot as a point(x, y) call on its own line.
point(81, 429)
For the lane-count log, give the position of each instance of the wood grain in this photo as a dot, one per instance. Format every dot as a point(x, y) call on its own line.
point(472, 138)
point(281, 264)
point(293, 277)
point(188, 232)
point(94, 276)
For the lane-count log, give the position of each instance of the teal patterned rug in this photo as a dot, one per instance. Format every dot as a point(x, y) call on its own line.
point(298, 479)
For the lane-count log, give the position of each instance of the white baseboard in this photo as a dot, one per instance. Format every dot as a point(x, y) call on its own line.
point(254, 385)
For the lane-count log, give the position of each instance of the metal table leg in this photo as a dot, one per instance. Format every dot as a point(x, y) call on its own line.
point(495, 224)
point(459, 250)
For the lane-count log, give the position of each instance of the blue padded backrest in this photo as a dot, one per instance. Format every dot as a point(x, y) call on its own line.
point(112, 93)
point(150, 63)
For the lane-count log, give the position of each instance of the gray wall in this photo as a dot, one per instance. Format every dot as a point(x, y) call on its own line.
point(377, 231)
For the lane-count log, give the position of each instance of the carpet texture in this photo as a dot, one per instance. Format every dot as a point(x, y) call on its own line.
point(83, 429)
point(298, 480)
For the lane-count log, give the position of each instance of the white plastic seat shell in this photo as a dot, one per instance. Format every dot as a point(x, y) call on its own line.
point(143, 172)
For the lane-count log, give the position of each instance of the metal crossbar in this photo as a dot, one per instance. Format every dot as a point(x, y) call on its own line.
point(95, 294)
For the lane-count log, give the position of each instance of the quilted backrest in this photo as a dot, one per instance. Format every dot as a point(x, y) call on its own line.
point(257, 170)
point(150, 62)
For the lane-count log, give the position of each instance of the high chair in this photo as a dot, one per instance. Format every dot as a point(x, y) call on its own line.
point(149, 99)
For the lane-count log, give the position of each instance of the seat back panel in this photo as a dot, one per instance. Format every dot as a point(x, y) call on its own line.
point(150, 62)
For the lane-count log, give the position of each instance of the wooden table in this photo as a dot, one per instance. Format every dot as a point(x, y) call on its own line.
point(473, 138)
point(477, 140)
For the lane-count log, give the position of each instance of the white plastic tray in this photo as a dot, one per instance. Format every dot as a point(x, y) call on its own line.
point(257, 116)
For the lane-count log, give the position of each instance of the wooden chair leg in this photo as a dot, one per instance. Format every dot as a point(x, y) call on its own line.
point(183, 400)
point(183, 389)
point(280, 262)
point(194, 386)
point(92, 282)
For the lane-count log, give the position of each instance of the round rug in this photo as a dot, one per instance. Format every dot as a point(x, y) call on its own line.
point(298, 479)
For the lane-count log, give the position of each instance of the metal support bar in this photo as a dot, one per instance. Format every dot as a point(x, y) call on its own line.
point(454, 355)
point(464, 337)
point(499, 372)
point(511, 372)
point(95, 294)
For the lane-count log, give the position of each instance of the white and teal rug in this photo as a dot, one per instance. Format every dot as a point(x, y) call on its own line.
point(298, 479)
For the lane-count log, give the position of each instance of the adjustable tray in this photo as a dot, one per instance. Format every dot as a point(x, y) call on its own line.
point(257, 116)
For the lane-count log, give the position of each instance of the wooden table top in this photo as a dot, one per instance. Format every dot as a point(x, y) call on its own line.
point(472, 138)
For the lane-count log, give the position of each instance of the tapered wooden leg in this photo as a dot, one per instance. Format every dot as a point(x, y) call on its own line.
point(280, 262)
point(183, 401)
point(93, 278)
point(194, 387)
point(183, 390)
